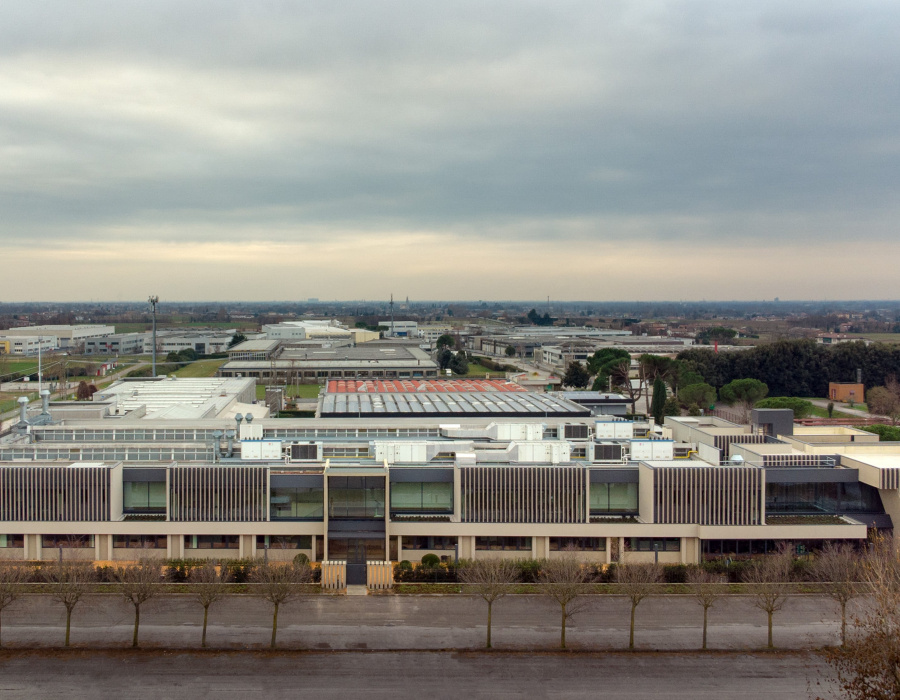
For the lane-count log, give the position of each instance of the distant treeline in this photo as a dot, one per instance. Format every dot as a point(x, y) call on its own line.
point(797, 367)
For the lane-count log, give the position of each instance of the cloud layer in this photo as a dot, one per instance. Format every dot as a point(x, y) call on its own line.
point(457, 150)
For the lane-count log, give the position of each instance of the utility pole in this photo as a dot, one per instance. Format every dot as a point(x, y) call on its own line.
point(153, 302)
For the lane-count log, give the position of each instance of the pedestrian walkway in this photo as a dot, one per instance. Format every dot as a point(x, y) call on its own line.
point(357, 590)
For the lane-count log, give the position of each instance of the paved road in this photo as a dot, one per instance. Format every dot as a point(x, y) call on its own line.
point(844, 408)
point(523, 622)
point(408, 674)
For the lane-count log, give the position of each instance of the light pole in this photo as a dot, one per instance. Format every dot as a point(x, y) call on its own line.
point(153, 302)
point(656, 552)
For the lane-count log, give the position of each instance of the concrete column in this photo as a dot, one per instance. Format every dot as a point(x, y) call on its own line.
point(312, 544)
point(609, 550)
point(457, 495)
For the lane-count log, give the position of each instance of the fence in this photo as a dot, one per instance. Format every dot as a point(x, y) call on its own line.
point(379, 575)
point(334, 575)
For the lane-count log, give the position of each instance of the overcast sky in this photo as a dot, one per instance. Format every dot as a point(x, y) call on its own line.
point(454, 150)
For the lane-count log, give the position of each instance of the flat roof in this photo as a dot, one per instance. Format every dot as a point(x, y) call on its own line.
point(428, 386)
point(457, 404)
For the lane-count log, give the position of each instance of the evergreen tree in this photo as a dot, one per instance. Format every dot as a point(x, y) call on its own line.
point(658, 403)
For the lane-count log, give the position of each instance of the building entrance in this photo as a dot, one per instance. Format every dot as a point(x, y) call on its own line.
point(356, 552)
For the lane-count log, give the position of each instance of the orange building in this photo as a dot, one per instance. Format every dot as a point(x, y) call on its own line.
point(846, 392)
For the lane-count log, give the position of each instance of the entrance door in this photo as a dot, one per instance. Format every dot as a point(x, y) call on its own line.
point(356, 562)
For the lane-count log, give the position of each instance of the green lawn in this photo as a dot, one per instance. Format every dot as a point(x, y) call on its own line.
point(8, 400)
point(477, 370)
point(817, 412)
point(200, 368)
point(302, 391)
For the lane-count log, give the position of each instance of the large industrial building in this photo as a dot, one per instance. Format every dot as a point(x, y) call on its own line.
point(318, 364)
point(381, 487)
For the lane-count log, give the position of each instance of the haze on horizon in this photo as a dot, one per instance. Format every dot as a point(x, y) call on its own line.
point(469, 150)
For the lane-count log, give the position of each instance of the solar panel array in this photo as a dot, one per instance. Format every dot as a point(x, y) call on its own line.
point(471, 403)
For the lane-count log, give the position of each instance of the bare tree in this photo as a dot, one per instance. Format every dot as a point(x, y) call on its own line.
point(707, 588)
point(837, 567)
point(69, 582)
point(13, 578)
point(139, 583)
point(637, 581)
point(491, 579)
point(210, 585)
point(767, 581)
point(867, 666)
point(621, 379)
point(564, 580)
point(280, 584)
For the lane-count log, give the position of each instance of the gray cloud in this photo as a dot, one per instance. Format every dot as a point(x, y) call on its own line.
point(547, 122)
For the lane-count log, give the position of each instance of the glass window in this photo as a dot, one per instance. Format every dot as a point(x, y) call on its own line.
point(503, 544)
point(652, 544)
point(211, 542)
point(581, 544)
point(12, 541)
point(144, 496)
point(356, 497)
point(297, 503)
point(67, 541)
point(422, 497)
point(139, 541)
point(614, 498)
point(429, 542)
point(284, 541)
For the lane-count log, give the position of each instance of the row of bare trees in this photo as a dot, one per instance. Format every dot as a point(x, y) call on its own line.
point(68, 582)
point(838, 569)
point(843, 574)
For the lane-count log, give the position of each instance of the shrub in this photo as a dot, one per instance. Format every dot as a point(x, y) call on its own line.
point(179, 570)
point(529, 569)
point(675, 573)
point(405, 565)
point(301, 559)
point(431, 560)
point(240, 570)
point(889, 433)
point(800, 407)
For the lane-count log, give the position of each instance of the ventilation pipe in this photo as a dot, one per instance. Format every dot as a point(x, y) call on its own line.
point(23, 408)
point(229, 436)
point(249, 418)
point(45, 402)
point(217, 444)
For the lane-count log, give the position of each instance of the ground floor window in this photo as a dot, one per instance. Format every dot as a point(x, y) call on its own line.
point(139, 541)
point(503, 544)
point(284, 541)
point(581, 544)
point(68, 541)
point(652, 544)
point(211, 541)
point(429, 542)
point(12, 541)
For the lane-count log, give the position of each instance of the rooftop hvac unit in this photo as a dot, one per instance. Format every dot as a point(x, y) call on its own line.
point(304, 451)
point(607, 452)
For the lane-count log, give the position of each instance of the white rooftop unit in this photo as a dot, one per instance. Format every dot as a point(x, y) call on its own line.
point(261, 449)
point(614, 430)
point(642, 450)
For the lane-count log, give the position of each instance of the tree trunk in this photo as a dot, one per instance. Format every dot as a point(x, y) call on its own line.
point(68, 624)
point(274, 625)
point(1, 628)
point(631, 632)
point(137, 622)
point(205, 616)
point(562, 629)
point(490, 605)
point(771, 646)
point(705, 611)
point(843, 623)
